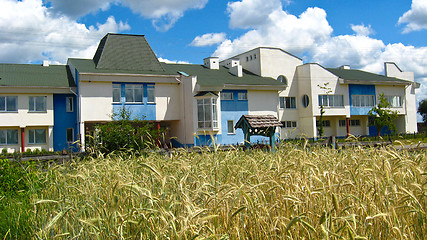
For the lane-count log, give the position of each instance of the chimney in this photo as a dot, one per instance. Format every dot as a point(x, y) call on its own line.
point(344, 67)
point(45, 63)
point(212, 62)
point(236, 70)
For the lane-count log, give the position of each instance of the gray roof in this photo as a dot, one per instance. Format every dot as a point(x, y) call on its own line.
point(259, 121)
point(366, 77)
point(35, 75)
point(126, 52)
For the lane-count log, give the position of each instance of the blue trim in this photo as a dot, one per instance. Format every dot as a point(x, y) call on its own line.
point(142, 111)
point(63, 120)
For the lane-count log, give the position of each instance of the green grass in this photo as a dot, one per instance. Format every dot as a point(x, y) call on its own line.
point(291, 194)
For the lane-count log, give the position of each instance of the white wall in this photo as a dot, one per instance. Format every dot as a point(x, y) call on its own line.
point(263, 102)
point(168, 99)
point(96, 101)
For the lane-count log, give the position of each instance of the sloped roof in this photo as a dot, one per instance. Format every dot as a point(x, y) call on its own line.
point(35, 75)
point(126, 52)
point(220, 77)
point(259, 121)
point(362, 76)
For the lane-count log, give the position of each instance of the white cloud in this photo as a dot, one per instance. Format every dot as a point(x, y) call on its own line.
point(283, 30)
point(78, 8)
point(416, 17)
point(362, 30)
point(208, 39)
point(172, 61)
point(40, 35)
point(251, 13)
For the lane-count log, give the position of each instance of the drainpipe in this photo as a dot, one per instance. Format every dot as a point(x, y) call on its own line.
point(22, 140)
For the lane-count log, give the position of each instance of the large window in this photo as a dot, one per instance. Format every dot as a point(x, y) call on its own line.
point(117, 93)
point(287, 102)
point(331, 100)
point(150, 94)
point(8, 103)
point(395, 101)
point(37, 136)
point(133, 93)
point(37, 104)
point(8, 136)
point(226, 96)
point(207, 113)
point(362, 100)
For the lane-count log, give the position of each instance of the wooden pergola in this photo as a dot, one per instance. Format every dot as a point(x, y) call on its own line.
point(263, 125)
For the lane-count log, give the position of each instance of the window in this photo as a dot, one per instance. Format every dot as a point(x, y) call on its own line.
point(289, 124)
point(133, 93)
point(36, 136)
point(331, 100)
point(395, 101)
point(355, 122)
point(207, 113)
point(69, 104)
point(305, 101)
point(282, 79)
point(117, 93)
point(8, 104)
point(9, 136)
point(150, 94)
point(247, 59)
point(254, 56)
point(226, 96)
point(362, 100)
point(230, 127)
point(342, 123)
point(37, 104)
point(326, 123)
point(242, 96)
point(287, 102)
point(70, 135)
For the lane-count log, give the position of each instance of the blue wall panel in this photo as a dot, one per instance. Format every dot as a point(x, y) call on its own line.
point(233, 110)
point(360, 90)
point(63, 120)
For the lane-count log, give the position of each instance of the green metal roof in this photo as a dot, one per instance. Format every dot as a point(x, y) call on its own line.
point(359, 75)
point(221, 77)
point(126, 52)
point(35, 75)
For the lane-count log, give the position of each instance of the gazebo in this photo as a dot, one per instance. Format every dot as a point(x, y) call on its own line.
point(263, 125)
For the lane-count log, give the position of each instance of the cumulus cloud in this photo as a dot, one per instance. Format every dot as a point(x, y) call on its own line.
point(416, 18)
point(251, 13)
point(362, 30)
point(38, 35)
point(164, 13)
point(172, 61)
point(208, 39)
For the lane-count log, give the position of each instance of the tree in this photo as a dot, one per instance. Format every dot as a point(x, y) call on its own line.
point(327, 90)
point(422, 109)
point(124, 133)
point(383, 116)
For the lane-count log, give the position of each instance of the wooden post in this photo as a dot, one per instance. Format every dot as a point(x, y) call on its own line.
point(272, 139)
point(22, 140)
point(348, 126)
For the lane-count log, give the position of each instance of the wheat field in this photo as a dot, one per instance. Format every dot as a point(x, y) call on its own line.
point(294, 193)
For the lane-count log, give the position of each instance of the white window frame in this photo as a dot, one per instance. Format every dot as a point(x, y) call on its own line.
point(391, 100)
point(32, 104)
point(326, 123)
point(151, 94)
point(242, 96)
point(231, 130)
point(340, 123)
point(362, 100)
point(32, 137)
point(287, 102)
point(228, 96)
point(6, 135)
point(355, 123)
point(4, 104)
point(117, 87)
point(331, 100)
point(209, 115)
point(134, 88)
point(289, 124)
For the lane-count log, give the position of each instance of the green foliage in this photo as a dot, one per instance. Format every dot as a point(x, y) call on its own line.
point(383, 116)
point(422, 109)
point(320, 126)
point(124, 133)
point(17, 184)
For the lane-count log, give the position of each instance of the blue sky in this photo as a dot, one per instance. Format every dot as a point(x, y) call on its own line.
point(363, 34)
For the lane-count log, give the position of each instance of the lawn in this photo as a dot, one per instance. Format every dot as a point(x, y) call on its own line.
point(294, 193)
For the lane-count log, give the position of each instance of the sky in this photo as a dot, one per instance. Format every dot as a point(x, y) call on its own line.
point(363, 34)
